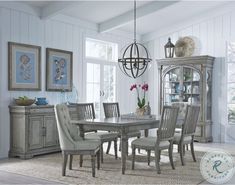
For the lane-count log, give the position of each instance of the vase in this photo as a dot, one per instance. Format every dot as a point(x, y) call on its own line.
point(140, 111)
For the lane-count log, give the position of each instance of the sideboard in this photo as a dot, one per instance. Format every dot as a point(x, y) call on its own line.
point(33, 131)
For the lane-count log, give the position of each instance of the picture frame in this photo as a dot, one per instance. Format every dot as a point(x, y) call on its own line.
point(59, 70)
point(24, 67)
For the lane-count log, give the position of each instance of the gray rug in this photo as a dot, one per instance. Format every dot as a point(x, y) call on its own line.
point(49, 167)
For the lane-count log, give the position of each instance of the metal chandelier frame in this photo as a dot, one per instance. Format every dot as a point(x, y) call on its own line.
point(131, 63)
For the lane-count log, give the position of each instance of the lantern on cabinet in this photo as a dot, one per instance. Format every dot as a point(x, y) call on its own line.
point(169, 49)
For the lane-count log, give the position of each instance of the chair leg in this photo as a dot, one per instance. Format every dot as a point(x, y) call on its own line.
point(70, 161)
point(127, 147)
point(120, 146)
point(93, 165)
point(181, 145)
point(148, 152)
point(65, 159)
point(81, 160)
point(108, 148)
point(157, 161)
point(187, 147)
point(133, 158)
point(98, 159)
point(101, 153)
point(192, 151)
point(170, 150)
point(159, 155)
point(138, 148)
point(115, 148)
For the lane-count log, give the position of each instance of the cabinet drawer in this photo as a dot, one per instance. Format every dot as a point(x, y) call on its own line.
point(45, 110)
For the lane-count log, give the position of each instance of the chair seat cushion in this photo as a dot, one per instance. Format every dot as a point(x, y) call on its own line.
point(87, 145)
point(177, 138)
point(148, 142)
point(103, 136)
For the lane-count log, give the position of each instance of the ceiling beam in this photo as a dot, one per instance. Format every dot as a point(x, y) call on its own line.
point(55, 8)
point(127, 17)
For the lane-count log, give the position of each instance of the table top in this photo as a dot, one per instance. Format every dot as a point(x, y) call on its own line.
point(116, 121)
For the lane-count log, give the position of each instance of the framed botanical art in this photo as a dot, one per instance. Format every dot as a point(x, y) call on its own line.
point(59, 75)
point(24, 67)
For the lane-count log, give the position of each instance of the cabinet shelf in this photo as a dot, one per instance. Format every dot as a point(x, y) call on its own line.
point(172, 81)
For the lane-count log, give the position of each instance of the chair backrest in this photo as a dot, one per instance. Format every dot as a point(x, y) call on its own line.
point(182, 111)
point(68, 133)
point(111, 110)
point(191, 119)
point(85, 110)
point(168, 122)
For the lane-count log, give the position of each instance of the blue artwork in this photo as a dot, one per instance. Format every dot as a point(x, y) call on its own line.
point(59, 68)
point(25, 67)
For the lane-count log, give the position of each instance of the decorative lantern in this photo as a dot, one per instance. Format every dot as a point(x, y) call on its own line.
point(169, 49)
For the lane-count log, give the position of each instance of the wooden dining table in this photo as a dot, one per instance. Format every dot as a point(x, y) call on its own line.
point(117, 124)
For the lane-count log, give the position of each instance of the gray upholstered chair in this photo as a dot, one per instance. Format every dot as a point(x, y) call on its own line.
point(188, 130)
point(164, 139)
point(112, 110)
point(71, 143)
point(87, 111)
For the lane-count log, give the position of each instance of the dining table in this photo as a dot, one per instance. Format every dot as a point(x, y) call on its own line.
point(118, 124)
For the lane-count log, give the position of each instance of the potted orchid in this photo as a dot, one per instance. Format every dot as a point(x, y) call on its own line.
point(140, 101)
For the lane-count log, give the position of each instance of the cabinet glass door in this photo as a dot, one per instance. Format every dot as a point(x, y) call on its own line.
point(181, 84)
point(172, 86)
point(191, 86)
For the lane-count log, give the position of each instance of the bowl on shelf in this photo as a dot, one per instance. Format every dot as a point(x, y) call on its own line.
point(24, 102)
point(41, 101)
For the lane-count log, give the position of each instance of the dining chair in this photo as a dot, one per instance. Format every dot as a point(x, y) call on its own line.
point(87, 111)
point(71, 143)
point(111, 109)
point(164, 139)
point(181, 116)
point(188, 131)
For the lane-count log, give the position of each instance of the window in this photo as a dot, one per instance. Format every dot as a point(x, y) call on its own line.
point(101, 50)
point(101, 72)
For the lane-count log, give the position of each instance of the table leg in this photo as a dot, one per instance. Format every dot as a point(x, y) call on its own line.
point(146, 132)
point(81, 131)
point(124, 150)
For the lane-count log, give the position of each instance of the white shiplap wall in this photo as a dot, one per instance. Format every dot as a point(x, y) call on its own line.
point(214, 29)
point(60, 32)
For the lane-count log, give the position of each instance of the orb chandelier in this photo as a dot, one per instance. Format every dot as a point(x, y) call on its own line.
point(135, 57)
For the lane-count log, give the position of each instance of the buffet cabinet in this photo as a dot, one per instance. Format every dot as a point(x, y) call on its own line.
point(33, 131)
point(188, 80)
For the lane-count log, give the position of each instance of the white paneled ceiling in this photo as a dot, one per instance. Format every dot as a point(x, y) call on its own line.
point(108, 15)
point(100, 11)
point(171, 15)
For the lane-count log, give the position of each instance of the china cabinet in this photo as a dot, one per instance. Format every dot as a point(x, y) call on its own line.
point(188, 80)
point(33, 131)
